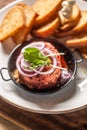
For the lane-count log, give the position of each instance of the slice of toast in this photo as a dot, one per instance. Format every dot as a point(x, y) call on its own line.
point(80, 27)
point(30, 16)
point(84, 55)
point(46, 9)
point(79, 41)
point(47, 29)
point(12, 23)
point(84, 52)
point(67, 24)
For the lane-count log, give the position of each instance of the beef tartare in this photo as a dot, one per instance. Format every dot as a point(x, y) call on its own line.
point(39, 65)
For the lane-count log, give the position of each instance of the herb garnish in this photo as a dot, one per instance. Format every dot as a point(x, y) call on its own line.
point(35, 58)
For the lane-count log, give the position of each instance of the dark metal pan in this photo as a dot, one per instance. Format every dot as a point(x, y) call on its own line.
point(69, 57)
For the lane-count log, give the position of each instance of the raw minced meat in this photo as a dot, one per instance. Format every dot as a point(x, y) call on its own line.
point(41, 81)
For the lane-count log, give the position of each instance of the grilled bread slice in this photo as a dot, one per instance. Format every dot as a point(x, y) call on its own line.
point(46, 9)
point(79, 41)
point(47, 29)
point(80, 27)
point(12, 23)
point(84, 55)
point(67, 24)
point(84, 52)
point(30, 16)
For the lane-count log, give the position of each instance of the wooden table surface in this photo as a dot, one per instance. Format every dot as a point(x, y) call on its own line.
point(33, 121)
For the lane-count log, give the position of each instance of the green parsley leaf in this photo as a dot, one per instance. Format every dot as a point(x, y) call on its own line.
point(35, 57)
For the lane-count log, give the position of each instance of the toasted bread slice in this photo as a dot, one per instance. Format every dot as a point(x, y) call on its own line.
point(12, 23)
point(30, 16)
point(84, 55)
point(80, 27)
point(72, 21)
point(78, 41)
point(84, 52)
point(47, 29)
point(46, 9)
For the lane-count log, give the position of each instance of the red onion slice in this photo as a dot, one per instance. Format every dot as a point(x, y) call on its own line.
point(53, 57)
point(25, 65)
point(22, 65)
point(54, 61)
point(18, 65)
point(23, 71)
point(38, 45)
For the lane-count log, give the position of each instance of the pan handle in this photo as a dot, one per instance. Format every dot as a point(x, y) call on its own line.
point(1, 72)
point(80, 59)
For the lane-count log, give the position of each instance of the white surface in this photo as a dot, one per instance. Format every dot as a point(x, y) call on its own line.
point(69, 99)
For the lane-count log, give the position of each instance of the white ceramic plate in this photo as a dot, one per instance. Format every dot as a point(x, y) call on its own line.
point(69, 99)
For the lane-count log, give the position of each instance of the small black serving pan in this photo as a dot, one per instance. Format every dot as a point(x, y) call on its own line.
point(69, 57)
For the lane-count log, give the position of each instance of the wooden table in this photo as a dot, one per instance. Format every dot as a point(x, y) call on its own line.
point(33, 121)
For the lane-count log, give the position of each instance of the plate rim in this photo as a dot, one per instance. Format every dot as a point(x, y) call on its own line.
point(43, 112)
point(10, 4)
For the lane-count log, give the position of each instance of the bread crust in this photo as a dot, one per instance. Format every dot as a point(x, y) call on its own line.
point(83, 52)
point(79, 28)
point(78, 41)
point(30, 16)
point(72, 21)
point(48, 29)
point(12, 23)
point(46, 9)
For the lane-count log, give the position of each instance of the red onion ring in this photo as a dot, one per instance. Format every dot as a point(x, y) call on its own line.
point(38, 45)
point(21, 63)
point(28, 73)
point(54, 60)
point(50, 53)
point(18, 65)
point(25, 64)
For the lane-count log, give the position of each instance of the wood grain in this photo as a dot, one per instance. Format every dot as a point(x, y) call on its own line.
point(33, 121)
point(74, 121)
point(7, 125)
